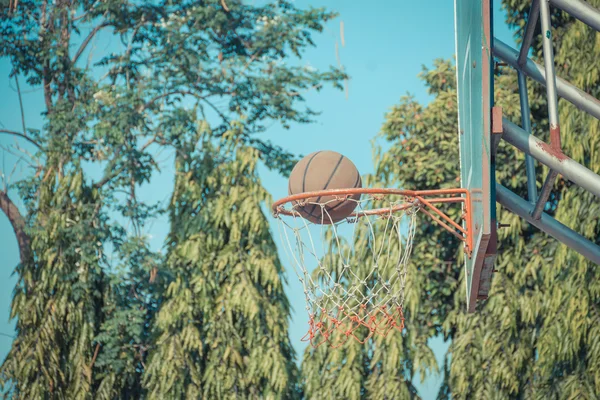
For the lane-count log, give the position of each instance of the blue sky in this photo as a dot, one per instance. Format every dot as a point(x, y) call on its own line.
point(385, 48)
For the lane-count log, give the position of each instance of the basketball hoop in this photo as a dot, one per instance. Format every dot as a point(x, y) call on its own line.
point(354, 272)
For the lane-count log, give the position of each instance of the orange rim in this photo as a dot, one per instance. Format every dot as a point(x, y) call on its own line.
point(425, 199)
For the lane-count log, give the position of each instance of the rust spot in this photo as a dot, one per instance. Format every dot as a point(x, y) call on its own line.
point(555, 136)
point(557, 153)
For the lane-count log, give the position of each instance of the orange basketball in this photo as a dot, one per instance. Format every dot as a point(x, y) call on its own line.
point(319, 171)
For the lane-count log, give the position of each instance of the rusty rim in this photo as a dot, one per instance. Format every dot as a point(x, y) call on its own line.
point(278, 207)
point(424, 199)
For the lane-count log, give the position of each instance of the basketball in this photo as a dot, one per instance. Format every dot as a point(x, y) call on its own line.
point(319, 171)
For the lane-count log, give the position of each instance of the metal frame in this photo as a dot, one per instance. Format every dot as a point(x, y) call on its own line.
point(556, 161)
point(425, 199)
point(526, 122)
point(546, 223)
point(549, 154)
point(566, 90)
point(580, 10)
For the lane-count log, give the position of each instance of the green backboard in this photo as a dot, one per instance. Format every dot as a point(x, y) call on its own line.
point(474, 81)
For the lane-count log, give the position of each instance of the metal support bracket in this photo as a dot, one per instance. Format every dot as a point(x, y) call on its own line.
point(534, 13)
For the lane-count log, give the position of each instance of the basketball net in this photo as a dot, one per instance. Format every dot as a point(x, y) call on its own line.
point(353, 272)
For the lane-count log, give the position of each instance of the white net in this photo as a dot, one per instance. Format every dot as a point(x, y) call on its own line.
point(353, 272)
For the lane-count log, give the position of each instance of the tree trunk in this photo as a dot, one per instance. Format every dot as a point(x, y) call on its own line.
point(18, 223)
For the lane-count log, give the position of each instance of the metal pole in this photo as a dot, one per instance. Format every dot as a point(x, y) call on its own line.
point(534, 13)
point(567, 91)
point(550, 75)
point(557, 161)
point(552, 104)
point(580, 10)
point(526, 123)
point(548, 224)
point(544, 194)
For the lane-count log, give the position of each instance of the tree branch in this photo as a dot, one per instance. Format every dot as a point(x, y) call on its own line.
point(117, 171)
point(108, 178)
point(21, 105)
point(18, 224)
point(87, 41)
point(167, 94)
point(95, 355)
point(30, 140)
point(215, 109)
point(45, 21)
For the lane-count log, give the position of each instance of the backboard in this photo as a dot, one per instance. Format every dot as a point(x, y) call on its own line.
point(474, 83)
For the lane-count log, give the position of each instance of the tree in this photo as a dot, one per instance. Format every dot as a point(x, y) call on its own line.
point(85, 326)
point(222, 330)
point(131, 300)
point(427, 136)
point(60, 285)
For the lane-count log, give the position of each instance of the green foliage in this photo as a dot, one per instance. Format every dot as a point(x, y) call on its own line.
point(58, 293)
point(222, 330)
point(178, 62)
point(131, 301)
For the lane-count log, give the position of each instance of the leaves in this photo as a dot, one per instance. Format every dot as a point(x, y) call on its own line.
point(222, 330)
point(57, 294)
point(180, 69)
